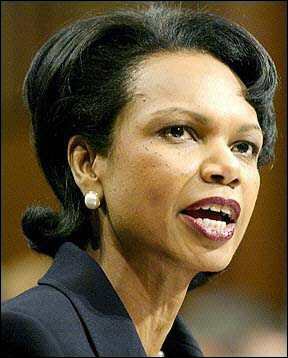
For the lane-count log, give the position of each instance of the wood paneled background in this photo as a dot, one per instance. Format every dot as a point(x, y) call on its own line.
point(258, 268)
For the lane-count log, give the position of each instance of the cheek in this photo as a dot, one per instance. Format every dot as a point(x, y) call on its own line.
point(146, 181)
point(253, 185)
point(250, 193)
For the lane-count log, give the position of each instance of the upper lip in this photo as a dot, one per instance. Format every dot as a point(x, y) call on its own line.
point(218, 200)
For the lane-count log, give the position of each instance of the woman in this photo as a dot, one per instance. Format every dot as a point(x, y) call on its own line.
point(151, 127)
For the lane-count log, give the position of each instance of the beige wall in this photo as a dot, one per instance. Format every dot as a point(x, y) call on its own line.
point(258, 268)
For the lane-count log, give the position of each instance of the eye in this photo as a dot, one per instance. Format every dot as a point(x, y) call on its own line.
point(178, 133)
point(246, 148)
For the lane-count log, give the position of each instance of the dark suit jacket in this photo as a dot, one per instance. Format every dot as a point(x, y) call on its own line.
point(75, 312)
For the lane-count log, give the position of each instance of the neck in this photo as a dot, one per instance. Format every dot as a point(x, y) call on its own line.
point(150, 286)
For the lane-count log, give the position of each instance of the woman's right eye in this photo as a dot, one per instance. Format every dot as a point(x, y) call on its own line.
point(178, 133)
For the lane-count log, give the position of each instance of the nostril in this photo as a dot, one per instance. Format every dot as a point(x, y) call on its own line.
point(220, 179)
point(235, 182)
point(217, 178)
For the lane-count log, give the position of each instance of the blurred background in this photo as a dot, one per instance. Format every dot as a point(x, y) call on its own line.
point(243, 311)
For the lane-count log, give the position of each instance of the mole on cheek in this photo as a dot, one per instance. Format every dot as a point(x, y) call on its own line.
point(158, 154)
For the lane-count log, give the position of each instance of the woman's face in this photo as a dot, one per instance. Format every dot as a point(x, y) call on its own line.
point(187, 135)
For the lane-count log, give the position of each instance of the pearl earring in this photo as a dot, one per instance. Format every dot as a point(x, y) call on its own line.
point(92, 200)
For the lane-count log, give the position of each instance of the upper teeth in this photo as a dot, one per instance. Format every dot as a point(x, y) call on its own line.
point(218, 208)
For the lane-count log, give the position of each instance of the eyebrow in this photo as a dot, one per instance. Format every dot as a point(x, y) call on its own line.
point(202, 118)
point(248, 127)
point(197, 116)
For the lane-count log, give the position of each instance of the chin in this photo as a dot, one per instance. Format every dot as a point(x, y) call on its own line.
point(210, 262)
point(216, 266)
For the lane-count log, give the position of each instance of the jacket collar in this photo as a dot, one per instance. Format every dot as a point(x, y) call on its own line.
point(104, 316)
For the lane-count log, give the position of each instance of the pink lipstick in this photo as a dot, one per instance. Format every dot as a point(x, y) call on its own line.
point(214, 217)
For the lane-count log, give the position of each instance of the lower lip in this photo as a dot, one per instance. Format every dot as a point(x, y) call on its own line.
point(209, 232)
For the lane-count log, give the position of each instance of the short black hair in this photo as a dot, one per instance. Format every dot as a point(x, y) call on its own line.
point(78, 84)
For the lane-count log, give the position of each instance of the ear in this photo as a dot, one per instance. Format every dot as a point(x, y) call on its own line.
point(86, 165)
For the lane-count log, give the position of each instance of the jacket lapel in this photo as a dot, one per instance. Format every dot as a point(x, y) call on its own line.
point(107, 324)
point(180, 342)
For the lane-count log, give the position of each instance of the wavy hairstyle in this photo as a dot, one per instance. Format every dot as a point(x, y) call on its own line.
point(78, 83)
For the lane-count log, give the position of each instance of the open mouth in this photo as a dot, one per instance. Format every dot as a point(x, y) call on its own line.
point(215, 217)
point(210, 216)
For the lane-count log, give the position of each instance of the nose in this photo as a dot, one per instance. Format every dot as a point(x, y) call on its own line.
point(221, 168)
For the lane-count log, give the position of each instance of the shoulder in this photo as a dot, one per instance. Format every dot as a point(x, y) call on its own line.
point(39, 302)
point(39, 322)
point(26, 336)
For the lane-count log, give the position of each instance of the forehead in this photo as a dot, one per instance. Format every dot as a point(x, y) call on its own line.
point(191, 68)
point(190, 79)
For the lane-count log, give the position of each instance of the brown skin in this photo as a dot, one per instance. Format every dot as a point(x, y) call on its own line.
point(147, 251)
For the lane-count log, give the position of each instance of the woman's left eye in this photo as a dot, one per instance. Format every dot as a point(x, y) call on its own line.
point(246, 148)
